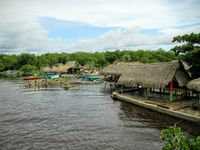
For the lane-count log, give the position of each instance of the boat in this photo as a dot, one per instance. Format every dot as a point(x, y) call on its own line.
point(52, 76)
point(92, 78)
point(31, 78)
point(66, 76)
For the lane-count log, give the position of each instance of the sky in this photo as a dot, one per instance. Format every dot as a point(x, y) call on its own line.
point(41, 26)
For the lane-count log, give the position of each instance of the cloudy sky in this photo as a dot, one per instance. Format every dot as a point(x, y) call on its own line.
point(39, 26)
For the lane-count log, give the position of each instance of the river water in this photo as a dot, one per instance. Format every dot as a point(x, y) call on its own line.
point(84, 117)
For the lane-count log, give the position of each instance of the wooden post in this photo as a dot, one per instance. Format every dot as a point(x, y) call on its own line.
point(171, 92)
point(186, 92)
point(198, 97)
point(122, 89)
point(146, 93)
point(160, 90)
point(138, 92)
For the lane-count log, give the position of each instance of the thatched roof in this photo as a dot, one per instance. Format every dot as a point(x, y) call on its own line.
point(59, 68)
point(194, 85)
point(62, 68)
point(154, 75)
point(73, 64)
point(47, 69)
point(117, 68)
point(54, 69)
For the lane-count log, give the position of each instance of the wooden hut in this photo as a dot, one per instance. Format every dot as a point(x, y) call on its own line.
point(73, 67)
point(155, 76)
point(46, 69)
point(59, 68)
point(194, 86)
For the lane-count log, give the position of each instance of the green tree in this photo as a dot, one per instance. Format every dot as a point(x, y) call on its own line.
point(28, 68)
point(25, 59)
point(126, 57)
point(2, 66)
point(9, 61)
point(97, 59)
point(189, 51)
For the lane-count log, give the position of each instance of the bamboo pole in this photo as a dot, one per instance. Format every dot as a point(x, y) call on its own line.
point(171, 92)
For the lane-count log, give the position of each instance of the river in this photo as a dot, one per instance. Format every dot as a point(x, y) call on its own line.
point(84, 117)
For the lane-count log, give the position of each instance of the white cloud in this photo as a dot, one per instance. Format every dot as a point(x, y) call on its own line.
point(23, 36)
point(19, 28)
point(130, 39)
point(126, 13)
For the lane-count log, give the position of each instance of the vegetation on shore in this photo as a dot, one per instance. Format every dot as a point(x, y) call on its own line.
point(175, 139)
point(189, 51)
point(98, 59)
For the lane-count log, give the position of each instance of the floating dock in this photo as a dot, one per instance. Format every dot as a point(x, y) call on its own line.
point(176, 109)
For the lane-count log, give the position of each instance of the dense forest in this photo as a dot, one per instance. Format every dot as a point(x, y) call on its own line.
point(188, 51)
point(98, 59)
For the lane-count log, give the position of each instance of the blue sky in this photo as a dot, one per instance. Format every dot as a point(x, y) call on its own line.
point(94, 25)
point(70, 30)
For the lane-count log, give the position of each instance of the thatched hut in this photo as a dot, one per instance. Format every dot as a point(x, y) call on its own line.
point(59, 68)
point(73, 66)
point(194, 85)
point(164, 76)
point(63, 69)
point(115, 70)
point(155, 75)
point(46, 69)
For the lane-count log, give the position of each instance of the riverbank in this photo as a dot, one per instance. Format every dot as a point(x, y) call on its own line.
point(179, 109)
point(11, 74)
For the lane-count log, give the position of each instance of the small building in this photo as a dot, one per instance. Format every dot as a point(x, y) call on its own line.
point(73, 67)
point(164, 76)
point(194, 86)
point(46, 69)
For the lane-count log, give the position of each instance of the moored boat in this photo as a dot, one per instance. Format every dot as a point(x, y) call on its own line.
point(52, 76)
point(31, 78)
point(92, 78)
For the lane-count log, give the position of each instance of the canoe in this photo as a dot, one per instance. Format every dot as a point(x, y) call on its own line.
point(31, 78)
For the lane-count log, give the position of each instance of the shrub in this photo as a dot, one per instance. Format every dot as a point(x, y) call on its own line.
point(175, 139)
point(28, 68)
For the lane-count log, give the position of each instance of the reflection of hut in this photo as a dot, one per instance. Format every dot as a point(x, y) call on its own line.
point(155, 75)
point(73, 67)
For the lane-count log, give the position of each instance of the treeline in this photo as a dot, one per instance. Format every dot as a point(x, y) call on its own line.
point(98, 59)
